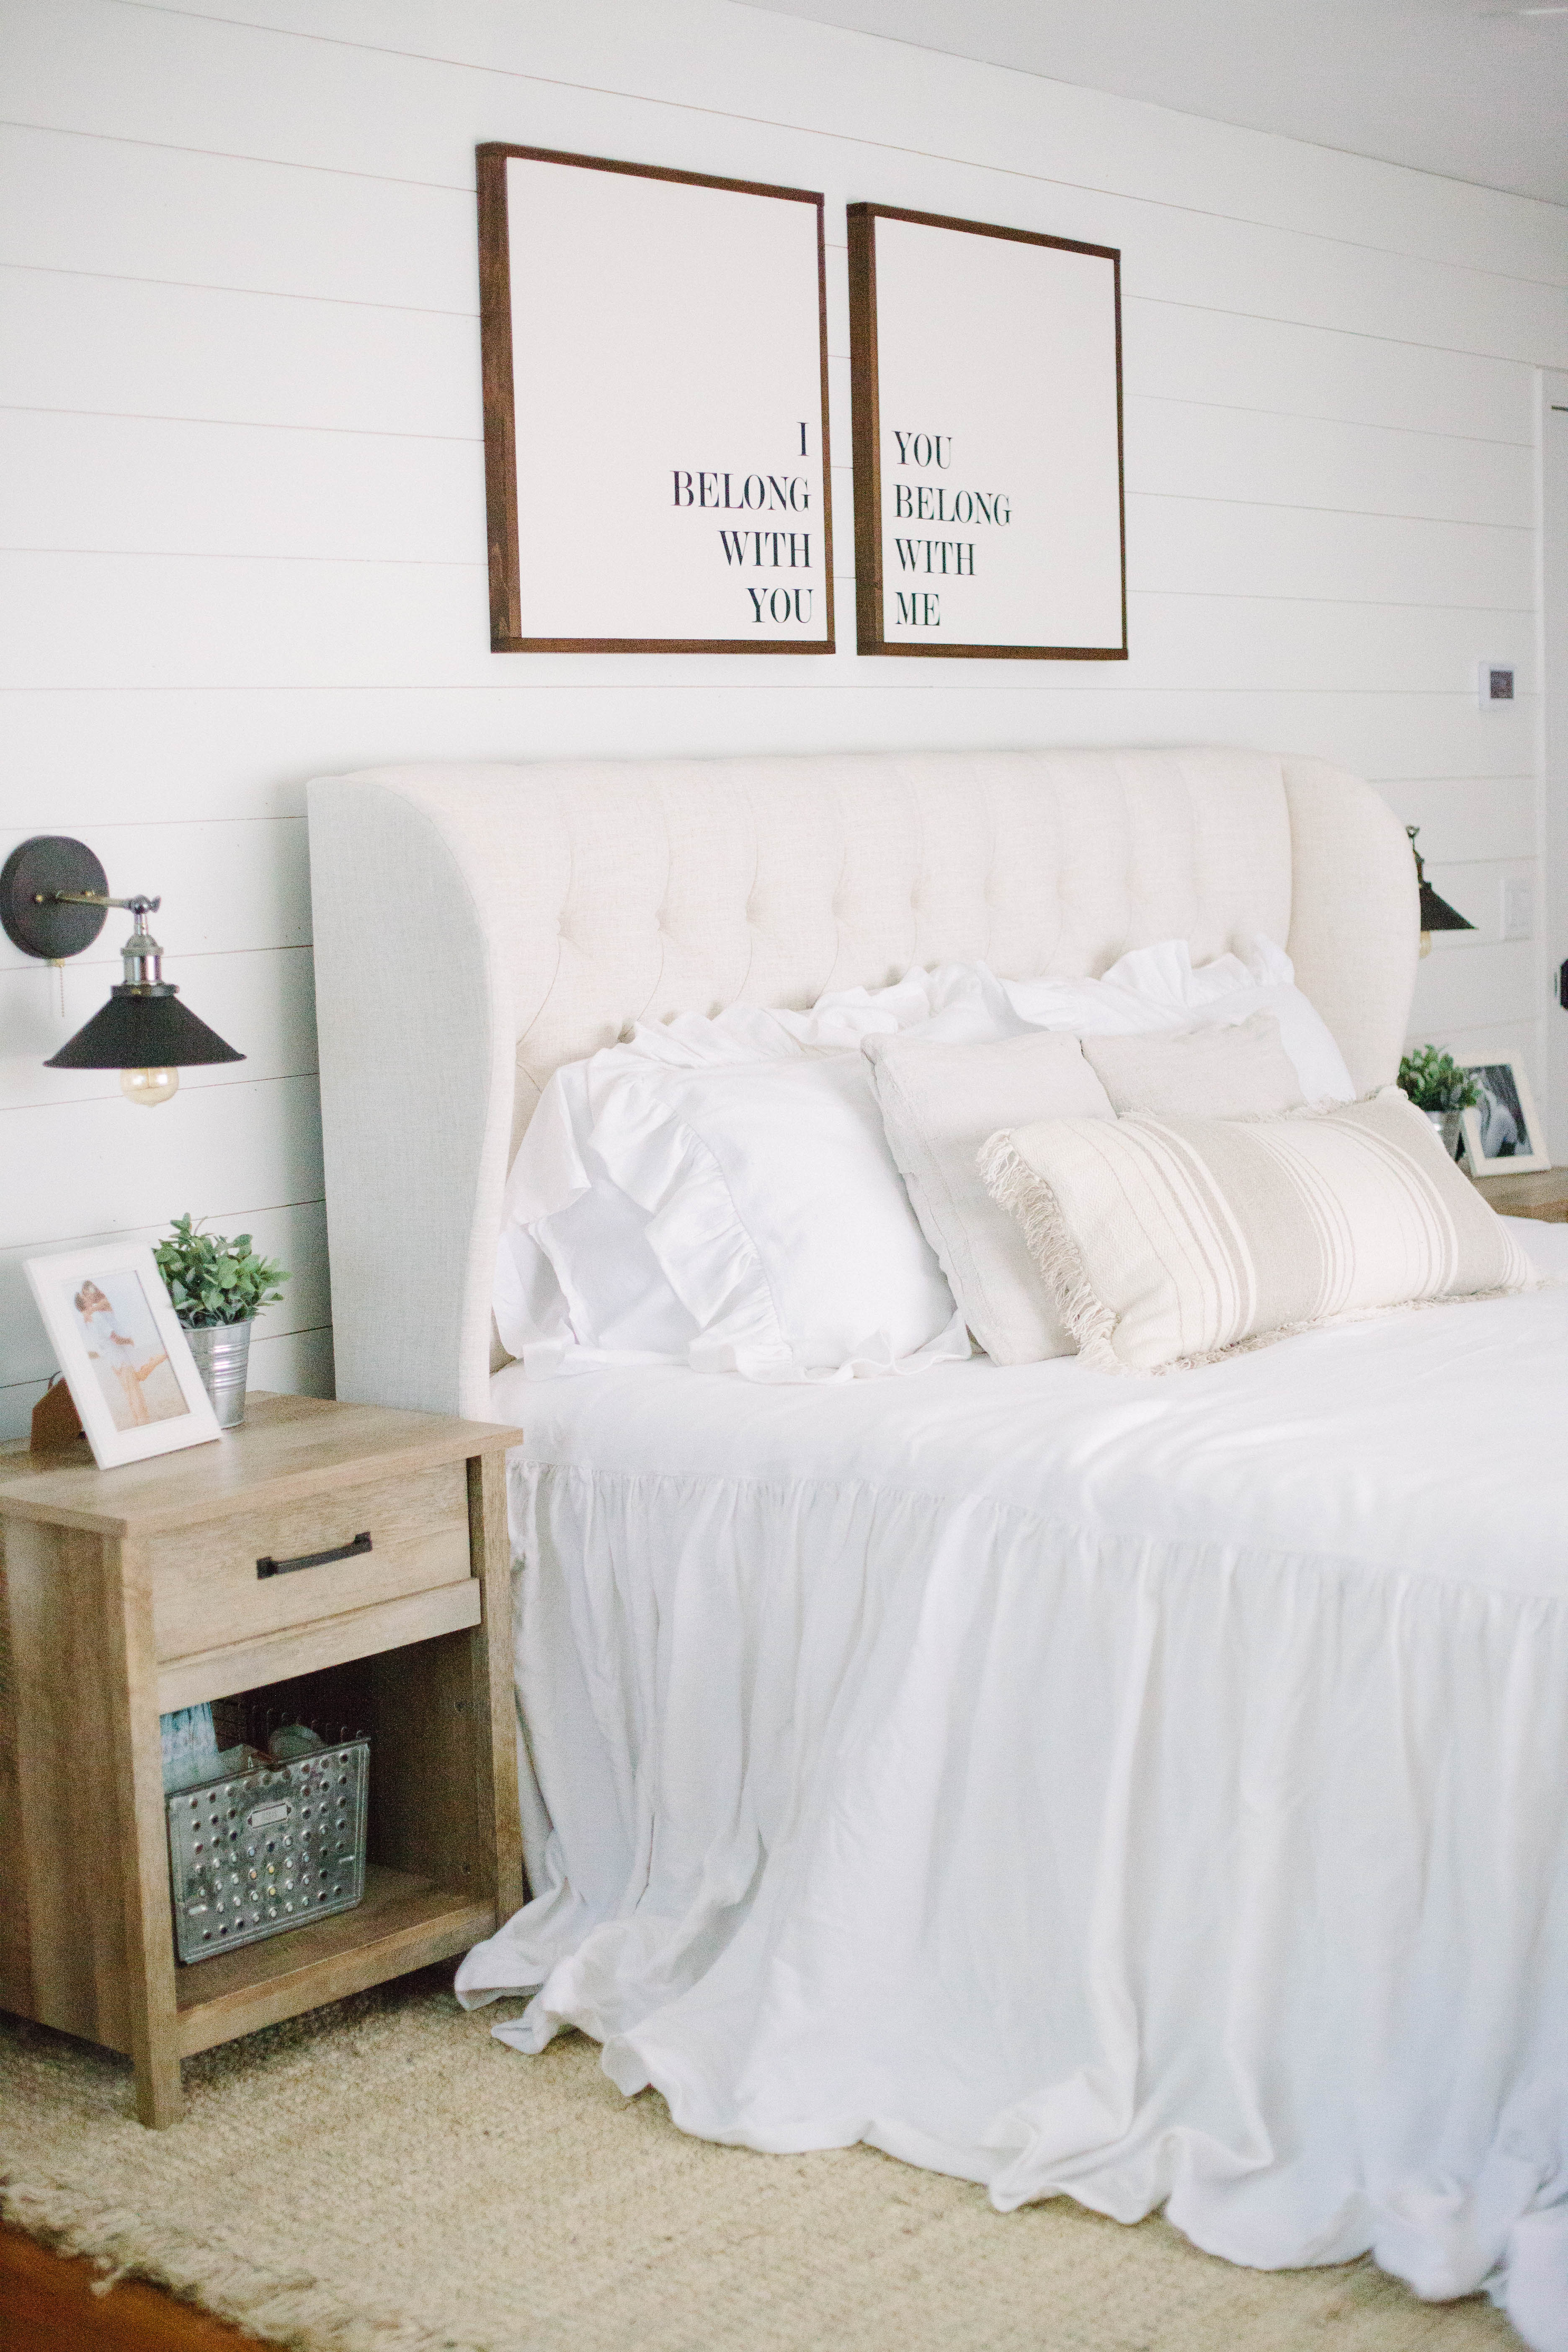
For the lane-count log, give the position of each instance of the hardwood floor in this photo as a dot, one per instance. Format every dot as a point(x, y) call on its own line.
point(47, 2304)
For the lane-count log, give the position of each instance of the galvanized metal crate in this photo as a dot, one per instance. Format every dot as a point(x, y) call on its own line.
point(262, 1850)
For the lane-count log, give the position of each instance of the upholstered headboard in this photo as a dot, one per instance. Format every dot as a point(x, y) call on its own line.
point(475, 927)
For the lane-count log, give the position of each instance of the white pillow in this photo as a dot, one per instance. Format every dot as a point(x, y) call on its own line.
point(940, 1103)
point(779, 1219)
point(1241, 1071)
point(657, 1214)
point(1158, 988)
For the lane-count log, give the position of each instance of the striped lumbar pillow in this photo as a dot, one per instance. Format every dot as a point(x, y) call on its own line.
point(1168, 1242)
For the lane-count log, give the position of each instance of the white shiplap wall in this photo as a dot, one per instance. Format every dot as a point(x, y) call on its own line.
point(244, 522)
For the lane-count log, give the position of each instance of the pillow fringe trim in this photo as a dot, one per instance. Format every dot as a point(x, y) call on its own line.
point(1015, 1186)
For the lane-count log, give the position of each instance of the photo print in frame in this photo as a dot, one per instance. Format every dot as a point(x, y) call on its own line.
point(1502, 1135)
point(985, 370)
point(654, 354)
point(126, 1360)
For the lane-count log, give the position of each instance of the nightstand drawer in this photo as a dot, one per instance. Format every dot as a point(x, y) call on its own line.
point(236, 1579)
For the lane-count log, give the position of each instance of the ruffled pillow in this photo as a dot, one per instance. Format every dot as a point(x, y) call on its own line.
point(1159, 988)
point(720, 1194)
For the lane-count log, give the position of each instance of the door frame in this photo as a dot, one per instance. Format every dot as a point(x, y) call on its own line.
point(1552, 610)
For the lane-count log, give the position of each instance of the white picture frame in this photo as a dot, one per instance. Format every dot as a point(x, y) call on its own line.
point(1506, 1119)
point(655, 361)
point(125, 1358)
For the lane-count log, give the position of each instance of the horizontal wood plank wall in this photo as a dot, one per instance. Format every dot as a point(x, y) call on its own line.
point(240, 409)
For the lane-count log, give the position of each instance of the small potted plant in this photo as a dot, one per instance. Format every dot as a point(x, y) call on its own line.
point(217, 1289)
point(1437, 1085)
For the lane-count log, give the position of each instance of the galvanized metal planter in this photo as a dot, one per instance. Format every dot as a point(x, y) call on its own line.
point(222, 1351)
point(1447, 1122)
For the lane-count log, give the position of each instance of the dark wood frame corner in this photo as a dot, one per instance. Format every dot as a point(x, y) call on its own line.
point(500, 414)
point(867, 437)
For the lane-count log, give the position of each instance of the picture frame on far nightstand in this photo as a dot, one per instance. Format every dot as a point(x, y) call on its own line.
point(1503, 1136)
point(126, 1360)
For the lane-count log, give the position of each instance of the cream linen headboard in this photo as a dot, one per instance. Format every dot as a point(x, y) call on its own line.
point(475, 927)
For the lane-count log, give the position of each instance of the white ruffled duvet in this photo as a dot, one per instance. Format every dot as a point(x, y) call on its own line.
point(1151, 1790)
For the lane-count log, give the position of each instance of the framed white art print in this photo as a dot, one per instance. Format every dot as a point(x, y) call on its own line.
point(655, 356)
point(985, 375)
point(1502, 1135)
point(118, 1341)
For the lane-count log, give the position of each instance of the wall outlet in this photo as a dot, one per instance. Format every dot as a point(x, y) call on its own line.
point(1517, 908)
point(1495, 683)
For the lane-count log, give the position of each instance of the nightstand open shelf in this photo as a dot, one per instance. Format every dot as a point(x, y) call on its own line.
point(404, 1922)
point(425, 1864)
point(344, 1562)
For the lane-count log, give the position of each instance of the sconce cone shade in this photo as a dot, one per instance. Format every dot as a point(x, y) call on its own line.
point(1436, 914)
point(142, 1028)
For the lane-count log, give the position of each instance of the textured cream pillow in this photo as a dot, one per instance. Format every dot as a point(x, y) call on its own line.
point(1169, 1242)
point(939, 1103)
point(1242, 1072)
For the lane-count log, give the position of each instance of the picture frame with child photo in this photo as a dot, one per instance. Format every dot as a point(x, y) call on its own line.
point(119, 1343)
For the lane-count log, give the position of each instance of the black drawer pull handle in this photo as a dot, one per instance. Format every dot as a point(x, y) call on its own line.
point(271, 1567)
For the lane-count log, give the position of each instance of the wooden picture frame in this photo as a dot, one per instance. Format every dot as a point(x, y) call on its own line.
point(1496, 1128)
point(594, 397)
point(983, 310)
point(125, 1358)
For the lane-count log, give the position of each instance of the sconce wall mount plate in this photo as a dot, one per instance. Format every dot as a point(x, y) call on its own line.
point(30, 912)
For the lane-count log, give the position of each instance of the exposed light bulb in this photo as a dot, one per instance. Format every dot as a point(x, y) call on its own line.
point(149, 1087)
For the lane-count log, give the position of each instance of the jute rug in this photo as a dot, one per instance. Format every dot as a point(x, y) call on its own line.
point(382, 2177)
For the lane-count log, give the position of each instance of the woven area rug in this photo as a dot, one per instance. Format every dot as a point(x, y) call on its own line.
point(383, 2177)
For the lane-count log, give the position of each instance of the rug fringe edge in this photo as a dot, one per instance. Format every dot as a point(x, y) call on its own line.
point(304, 2313)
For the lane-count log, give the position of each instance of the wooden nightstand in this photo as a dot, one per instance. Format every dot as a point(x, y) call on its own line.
point(1543, 1194)
point(126, 1593)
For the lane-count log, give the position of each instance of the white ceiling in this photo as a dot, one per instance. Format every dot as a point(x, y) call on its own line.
point(1473, 88)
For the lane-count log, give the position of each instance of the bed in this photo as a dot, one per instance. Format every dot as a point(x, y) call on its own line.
point(1150, 1792)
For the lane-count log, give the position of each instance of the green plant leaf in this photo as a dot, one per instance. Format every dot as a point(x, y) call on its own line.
point(210, 1279)
point(1436, 1082)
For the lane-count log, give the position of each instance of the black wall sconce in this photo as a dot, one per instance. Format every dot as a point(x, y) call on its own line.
point(54, 901)
point(1436, 914)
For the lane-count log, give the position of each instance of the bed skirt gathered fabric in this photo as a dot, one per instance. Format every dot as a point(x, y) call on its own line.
point(962, 1796)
